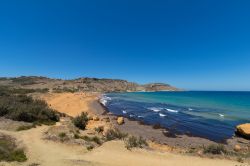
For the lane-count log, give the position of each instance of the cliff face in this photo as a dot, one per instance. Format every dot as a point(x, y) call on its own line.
point(82, 84)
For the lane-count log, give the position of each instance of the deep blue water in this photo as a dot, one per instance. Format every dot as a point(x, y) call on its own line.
point(211, 115)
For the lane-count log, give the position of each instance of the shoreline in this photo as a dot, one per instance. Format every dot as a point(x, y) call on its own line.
point(165, 136)
point(158, 141)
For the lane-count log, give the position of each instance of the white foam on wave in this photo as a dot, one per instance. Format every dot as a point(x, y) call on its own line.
point(171, 110)
point(140, 116)
point(155, 109)
point(104, 100)
point(162, 115)
point(131, 116)
point(123, 111)
point(221, 115)
point(190, 109)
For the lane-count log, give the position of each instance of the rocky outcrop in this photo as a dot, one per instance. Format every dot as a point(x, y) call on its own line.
point(243, 130)
point(159, 87)
point(120, 120)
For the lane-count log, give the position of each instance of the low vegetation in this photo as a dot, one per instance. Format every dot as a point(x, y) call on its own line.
point(95, 139)
point(99, 129)
point(81, 121)
point(215, 149)
point(11, 90)
point(135, 142)
point(9, 151)
point(65, 89)
point(25, 127)
point(24, 108)
point(113, 134)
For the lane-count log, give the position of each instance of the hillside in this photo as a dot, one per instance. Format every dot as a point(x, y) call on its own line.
point(81, 84)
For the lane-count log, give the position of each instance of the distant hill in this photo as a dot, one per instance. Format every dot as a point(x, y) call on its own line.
point(81, 84)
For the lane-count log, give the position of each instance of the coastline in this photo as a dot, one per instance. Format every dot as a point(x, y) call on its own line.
point(157, 140)
point(163, 136)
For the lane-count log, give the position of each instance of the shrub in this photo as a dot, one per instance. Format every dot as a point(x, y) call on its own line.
point(86, 138)
point(90, 147)
point(65, 89)
point(133, 142)
point(9, 151)
point(81, 121)
point(99, 129)
point(11, 90)
point(215, 149)
point(25, 108)
point(25, 127)
point(113, 134)
point(77, 136)
point(62, 135)
point(96, 140)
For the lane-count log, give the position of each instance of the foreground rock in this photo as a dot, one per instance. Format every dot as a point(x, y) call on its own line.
point(120, 120)
point(243, 130)
point(237, 148)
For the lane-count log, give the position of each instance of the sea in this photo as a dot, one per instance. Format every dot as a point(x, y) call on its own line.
point(207, 114)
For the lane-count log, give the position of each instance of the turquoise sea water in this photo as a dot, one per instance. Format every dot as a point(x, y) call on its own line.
point(211, 115)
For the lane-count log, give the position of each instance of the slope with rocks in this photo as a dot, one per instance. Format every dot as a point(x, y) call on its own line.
point(81, 84)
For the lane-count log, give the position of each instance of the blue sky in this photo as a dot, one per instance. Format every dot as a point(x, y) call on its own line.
point(199, 45)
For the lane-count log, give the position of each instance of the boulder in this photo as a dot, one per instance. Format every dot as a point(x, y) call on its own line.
point(243, 130)
point(96, 118)
point(120, 120)
point(237, 148)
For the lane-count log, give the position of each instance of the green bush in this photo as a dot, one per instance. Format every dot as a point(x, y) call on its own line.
point(65, 89)
point(25, 108)
point(62, 135)
point(113, 134)
point(86, 138)
point(11, 90)
point(81, 121)
point(99, 129)
point(25, 127)
point(90, 147)
point(96, 140)
point(215, 149)
point(9, 151)
point(134, 142)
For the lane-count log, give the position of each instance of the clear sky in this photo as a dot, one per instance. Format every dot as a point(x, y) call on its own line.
point(194, 44)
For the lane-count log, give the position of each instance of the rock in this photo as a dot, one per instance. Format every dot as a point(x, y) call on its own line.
point(114, 118)
point(90, 117)
point(96, 118)
point(200, 152)
point(106, 119)
point(237, 148)
point(243, 130)
point(120, 120)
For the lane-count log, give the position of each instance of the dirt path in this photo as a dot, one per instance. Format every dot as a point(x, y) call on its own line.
point(44, 152)
point(114, 154)
point(48, 153)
